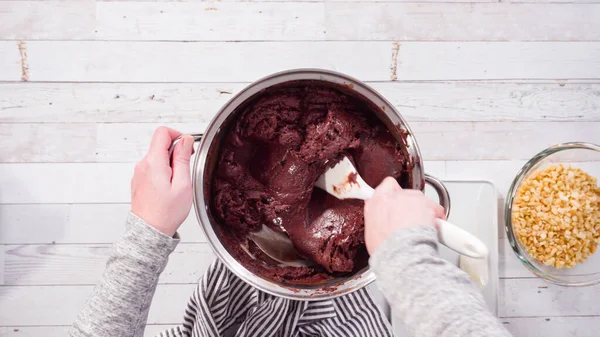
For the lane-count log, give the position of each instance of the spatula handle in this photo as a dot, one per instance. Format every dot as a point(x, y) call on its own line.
point(452, 236)
point(460, 240)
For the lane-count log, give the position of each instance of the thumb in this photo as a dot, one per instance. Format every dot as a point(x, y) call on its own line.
point(388, 185)
point(181, 162)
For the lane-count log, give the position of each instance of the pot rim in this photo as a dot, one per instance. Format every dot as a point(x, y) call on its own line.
point(295, 292)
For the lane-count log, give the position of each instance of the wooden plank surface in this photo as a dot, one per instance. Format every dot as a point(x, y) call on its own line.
point(304, 0)
point(523, 326)
point(272, 21)
point(456, 141)
point(194, 61)
point(198, 21)
point(484, 85)
point(501, 60)
point(54, 183)
point(132, 140)
point(446, 1)
point(535, 297)
point(75, 223)
point(99, 223)
point(69, 19)
point(152, 330)
point(199, 102)
point(83, 264)
point(553, 326)
point(117, 61)
point(2, 267)
point(65, 183)
point(79, 264)
point(128, 142)
point(501, 173)
point(463, 22)
point(13, 61)
point(47, 142)
point(27, 305)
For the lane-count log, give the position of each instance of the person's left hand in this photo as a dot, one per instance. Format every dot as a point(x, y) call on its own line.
point(161, 195)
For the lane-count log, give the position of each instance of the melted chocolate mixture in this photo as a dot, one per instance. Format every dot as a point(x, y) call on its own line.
point(273, 154)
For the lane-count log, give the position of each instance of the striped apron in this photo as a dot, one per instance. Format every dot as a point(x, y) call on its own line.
point(224, 305)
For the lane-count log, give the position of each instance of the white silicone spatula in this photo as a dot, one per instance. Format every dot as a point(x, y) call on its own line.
point(344, 182)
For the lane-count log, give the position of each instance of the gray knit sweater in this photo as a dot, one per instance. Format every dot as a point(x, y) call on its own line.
point(431, 296)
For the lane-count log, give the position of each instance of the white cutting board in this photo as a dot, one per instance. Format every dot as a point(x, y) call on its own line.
point(474, 207)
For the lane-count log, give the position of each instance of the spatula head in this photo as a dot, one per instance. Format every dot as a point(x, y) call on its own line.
point(343, 181)
point(279, 247)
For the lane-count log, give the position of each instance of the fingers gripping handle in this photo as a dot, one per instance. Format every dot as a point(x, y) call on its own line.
point(451, 235)
point(197, 137)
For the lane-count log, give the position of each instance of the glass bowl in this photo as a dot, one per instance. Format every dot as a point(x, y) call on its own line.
point(585, 156)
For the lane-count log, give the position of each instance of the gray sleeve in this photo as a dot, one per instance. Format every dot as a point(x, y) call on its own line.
point(120, 302)
point(431, 296)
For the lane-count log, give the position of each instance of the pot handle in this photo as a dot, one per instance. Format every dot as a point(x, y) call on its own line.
point(441, 191)
point(197, 138)
point(451, 235)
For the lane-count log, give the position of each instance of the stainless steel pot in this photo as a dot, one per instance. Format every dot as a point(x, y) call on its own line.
point(206, 160)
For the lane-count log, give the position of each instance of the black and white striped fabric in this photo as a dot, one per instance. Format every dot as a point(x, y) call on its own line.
point(224, 305)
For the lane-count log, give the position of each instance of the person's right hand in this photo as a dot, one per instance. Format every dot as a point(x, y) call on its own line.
point(391, 208)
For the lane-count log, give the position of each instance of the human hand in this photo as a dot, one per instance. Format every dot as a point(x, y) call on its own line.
point(160, 194)
point(392, 208)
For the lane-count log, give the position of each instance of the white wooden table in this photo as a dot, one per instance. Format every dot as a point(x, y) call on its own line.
point(484, 84)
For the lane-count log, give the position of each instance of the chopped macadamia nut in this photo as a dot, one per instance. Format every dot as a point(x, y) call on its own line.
point(556, 215)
